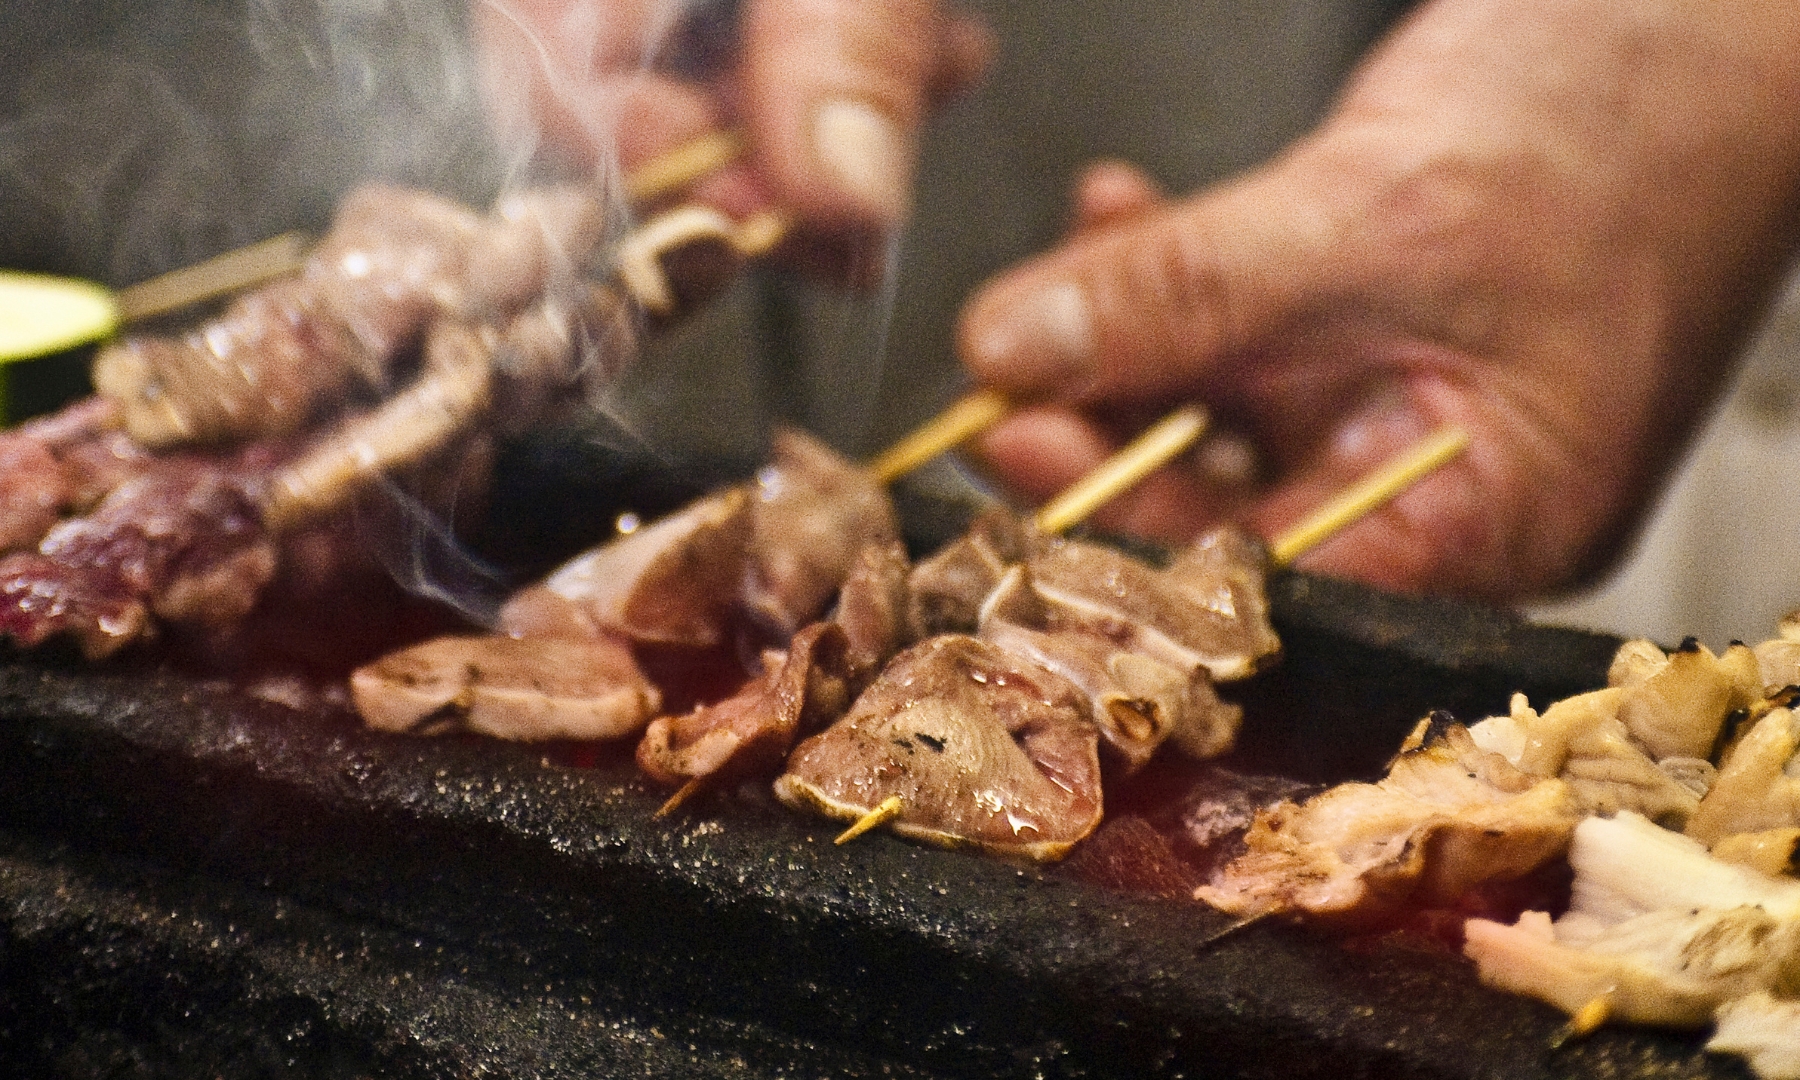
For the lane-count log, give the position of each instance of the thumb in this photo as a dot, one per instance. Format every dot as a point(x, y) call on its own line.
point(1145, 307)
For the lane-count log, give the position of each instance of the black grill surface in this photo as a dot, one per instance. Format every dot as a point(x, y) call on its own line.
point(197, 883)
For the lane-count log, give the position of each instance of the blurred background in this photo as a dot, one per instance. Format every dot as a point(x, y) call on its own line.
point(137, 136)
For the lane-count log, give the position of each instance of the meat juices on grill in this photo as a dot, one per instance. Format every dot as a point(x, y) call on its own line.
point(985, 751)
point(749, 733)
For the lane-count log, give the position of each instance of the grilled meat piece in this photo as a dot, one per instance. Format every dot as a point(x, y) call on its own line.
point(182, 539)
point(1661, 931)
point(1757, 789)
point(871, 608)
point(1207, 608)
point(1137, 702)
point(1447, 817)
point(749, 733)
point(60, 464)
point(1674, 703)
point(394, 261)
point(674, 582)
point(984, 750)
point(813, 512)
point(559, 687)
point(946, 590)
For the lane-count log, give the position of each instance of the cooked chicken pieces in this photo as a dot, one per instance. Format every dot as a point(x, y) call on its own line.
point(1447, 817)
point(813, 512)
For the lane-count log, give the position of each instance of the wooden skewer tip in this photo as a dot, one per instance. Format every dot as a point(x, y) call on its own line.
point(963, 420)
point(1368, 494)
point(683, 165)
point(239, 269)
point(682, 794)
point(889, 809)
point(1587, 1020)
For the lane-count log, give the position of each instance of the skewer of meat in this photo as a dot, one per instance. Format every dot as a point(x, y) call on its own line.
point(1139, 647)
point(756, 564)
point(398, 262)
point(748, 566)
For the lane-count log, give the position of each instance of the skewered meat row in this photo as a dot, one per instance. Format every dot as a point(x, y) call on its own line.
point(1116, 662)
point(298, 387)
point(395, 261)
point(1664, 928)
point(698, 580)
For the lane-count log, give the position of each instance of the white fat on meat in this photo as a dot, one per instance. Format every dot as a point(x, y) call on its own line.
point(1657, 930)
point(984, 751)
point(1137, 700)
point(1764, 1030)
point(1447, 817)
point(1207, 608)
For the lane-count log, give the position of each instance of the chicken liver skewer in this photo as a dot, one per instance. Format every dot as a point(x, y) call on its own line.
point(818, 776)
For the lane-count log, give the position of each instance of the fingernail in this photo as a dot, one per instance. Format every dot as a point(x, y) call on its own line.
point(866, 154)
point(1046, 336)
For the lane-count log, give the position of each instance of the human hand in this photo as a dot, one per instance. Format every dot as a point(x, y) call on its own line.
point(830, 95)
point(1546, 222)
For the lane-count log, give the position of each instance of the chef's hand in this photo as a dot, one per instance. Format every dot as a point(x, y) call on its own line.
point(830, 95)
point(1545, 221)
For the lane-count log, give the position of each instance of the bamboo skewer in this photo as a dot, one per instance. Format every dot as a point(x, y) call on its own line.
point(965, 418)
point(682, 794)
point(683, 165)
point(285, 254)
point(1144, 455)
point(637, 261)
point(1367, 495)
point(889, 809)
point(1587, 1020)
point(242, 268)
